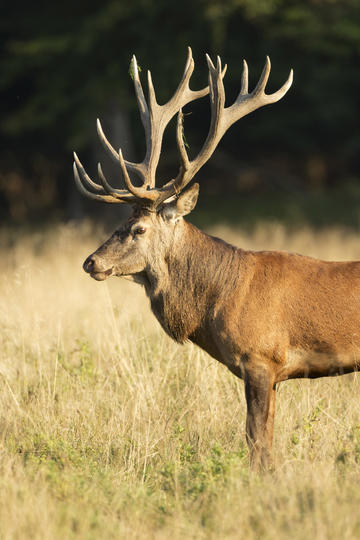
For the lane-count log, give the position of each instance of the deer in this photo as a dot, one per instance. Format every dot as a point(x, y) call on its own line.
point(268, 316)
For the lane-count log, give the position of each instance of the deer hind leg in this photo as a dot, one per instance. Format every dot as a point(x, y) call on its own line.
point(260, 399)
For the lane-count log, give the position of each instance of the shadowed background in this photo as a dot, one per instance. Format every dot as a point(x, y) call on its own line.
point(64, 64)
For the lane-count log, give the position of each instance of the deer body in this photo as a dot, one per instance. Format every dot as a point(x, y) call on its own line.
point(267, 316)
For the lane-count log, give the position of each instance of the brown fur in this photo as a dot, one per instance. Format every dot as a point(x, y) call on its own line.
point(268, 316)
point(195, 283)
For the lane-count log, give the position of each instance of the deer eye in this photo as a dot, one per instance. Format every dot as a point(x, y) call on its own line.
point(139, 230)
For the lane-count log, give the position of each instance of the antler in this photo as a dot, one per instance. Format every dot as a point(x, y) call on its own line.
point(155, 118)
point(222, 118)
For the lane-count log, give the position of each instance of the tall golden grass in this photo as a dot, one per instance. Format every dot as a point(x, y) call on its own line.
point(109, 429)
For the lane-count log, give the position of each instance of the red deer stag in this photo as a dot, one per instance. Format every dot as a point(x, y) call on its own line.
point(268, 316)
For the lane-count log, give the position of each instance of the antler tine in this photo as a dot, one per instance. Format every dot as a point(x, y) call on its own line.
point(143, 108)
point(180, 141)
point(184, 83)
point(152, 96)
point(89, 188)
point(244, 79)
point(264, 77)
point(133, 167)
point(105, 141)
point(276, 96)
point(147, 197)
point(120, 194)
point(86, 178)
point(217, 97)
point(90, 194)
point(261, 85)
point(126, 176)
point(245, 103)
point(209, 61)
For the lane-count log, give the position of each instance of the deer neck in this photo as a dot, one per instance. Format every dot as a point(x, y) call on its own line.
point(187, 285)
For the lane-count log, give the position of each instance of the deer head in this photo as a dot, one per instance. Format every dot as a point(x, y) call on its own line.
point(156, 224)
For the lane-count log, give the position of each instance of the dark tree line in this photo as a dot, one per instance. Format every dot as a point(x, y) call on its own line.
point(64, 64)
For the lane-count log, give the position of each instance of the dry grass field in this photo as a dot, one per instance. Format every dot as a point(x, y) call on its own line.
point(110, 430)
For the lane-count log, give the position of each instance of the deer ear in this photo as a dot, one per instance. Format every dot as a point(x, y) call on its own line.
point(183, 205)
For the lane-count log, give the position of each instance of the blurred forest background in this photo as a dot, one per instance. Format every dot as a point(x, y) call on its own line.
point(63, 64)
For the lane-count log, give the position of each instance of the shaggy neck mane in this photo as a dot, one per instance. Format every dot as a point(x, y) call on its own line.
point(198, 272)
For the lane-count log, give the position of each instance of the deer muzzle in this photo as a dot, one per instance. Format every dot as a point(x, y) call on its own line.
point(93, 266)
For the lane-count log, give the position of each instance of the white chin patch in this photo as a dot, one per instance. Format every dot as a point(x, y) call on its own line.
point(101, 276)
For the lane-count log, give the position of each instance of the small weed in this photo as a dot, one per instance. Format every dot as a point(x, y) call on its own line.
point(80, 362)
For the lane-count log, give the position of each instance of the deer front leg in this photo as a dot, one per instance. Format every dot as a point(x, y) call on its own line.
point(260, 399)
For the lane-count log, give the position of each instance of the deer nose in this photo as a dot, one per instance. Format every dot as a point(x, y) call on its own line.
point(89, 264)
